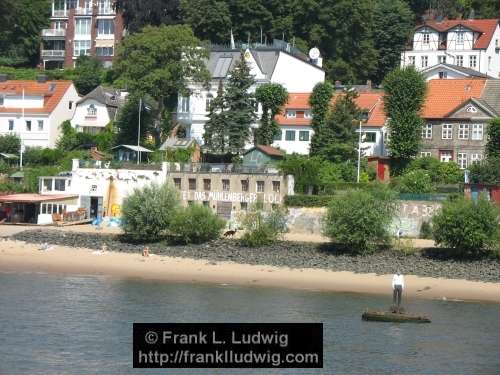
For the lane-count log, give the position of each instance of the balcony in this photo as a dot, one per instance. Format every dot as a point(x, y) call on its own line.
point(106, 11)
point(83, 11)
point(54, 33)
point(58, 13)
point(55, 54)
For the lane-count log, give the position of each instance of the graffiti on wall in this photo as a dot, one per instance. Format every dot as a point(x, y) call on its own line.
point(227, 196)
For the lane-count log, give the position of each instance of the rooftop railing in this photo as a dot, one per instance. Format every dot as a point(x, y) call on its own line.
point(221, 168)
point(53, 53)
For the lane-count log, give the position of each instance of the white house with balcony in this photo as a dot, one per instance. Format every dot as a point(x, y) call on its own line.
point(455, 44)
point(34, 110)
point(279, 63)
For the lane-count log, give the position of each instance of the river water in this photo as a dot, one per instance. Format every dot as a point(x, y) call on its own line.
point(55, 324)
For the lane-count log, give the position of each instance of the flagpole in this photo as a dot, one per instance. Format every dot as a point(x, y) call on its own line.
point(21, 137)
point(139, 133)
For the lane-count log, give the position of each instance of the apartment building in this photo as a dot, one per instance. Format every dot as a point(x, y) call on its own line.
point(470, 43)
point(81, 27)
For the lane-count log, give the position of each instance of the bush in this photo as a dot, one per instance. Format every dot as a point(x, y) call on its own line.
point(426, 230)
point(466, 226)
point(439, 172)
point(148, 212)
point(302, 200)
point(486, 172)
point(263, 228)
point(32, 175)
point(359, 220)
point(196, 224)
point(415, 182)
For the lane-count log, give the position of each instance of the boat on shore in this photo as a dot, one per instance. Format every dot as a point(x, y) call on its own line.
point(389, 316)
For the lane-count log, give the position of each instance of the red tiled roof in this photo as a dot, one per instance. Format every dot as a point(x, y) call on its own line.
point(486, 27)
point(370, 101)
point(272, 151)
point(34, 88)
point(33, 198)
point(445, 95)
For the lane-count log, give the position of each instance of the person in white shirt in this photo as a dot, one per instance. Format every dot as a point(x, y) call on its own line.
point(398, 284)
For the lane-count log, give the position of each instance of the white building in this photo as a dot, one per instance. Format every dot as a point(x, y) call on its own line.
point(473, 44)
point(275, 64)
point(296, 131)
point(97, 109)
point(34, 110)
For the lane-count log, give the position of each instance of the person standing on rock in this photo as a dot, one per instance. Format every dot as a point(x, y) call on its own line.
point(398, 284)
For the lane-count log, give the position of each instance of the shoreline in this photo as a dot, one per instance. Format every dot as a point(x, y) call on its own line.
point(17, 256)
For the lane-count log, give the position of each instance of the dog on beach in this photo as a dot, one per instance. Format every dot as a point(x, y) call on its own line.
point(230, 233)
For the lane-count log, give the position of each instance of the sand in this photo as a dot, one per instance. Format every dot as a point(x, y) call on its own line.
point(16, 256)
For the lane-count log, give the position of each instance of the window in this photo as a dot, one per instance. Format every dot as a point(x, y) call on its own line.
point(369, 137)
point(91, 110)
point(1, 100)
point(426, 38)
point(463, 131)
point(445, 156)
point(207, 184)
point(443, 75)
point(105, 6)
point(70, 104)
point(308, 114)
point(244, 185)
point(192, 183)
point(411, 60)
point(177, 183)
point(40, 125)
point(28, 125)
point(460, 60)
point(462, 160)
point(447, 131)
point(472, 61)
point(424, 60)
point(476, 158)
point(425, 154)
point(278, 136)
point(208, 102)
point(105, 27)
point(47, 184)
point(81, 48)
point(290, 135)
point(244, 206)
point(59, 184)
point(82, 26)
point(226, 185)
point(11, 125)
point(477, 132)
point(304, 135)
point(276, 186)
point(460, 37)
point(442, 59)
point(104, 51)
point(185, 104)
point(427, 131)
point(260, 186)
point(291, 114)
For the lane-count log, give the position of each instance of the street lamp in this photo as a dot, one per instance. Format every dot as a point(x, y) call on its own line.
point(362, 118)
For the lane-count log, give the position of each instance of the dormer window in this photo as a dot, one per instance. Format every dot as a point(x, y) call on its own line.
point(91, 110)
point(308, 114)
point(291, 114)
point(426, 38)
point(460, 37)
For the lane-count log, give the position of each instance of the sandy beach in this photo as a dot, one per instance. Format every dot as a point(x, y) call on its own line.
point(17, 256)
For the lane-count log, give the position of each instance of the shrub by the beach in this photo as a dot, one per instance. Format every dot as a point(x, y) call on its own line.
point(304, 200)
point(196, 224)
point(468, 227)
point(359, 220)
point(416, 182)
point(148, 212)
point(263, 228)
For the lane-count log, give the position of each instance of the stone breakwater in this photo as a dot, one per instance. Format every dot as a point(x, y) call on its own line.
point(285, 254)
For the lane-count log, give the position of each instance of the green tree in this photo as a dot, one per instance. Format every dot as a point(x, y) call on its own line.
point(10, 144)
point(88, 73)
point(320, 107)
point(493, 145)
point(128, 121)
point(393, 22)
point(466, 226)
point(240, 104)
point(403, 99)
point(272, 97)
point(248, 17)
point(485, 172)
point(216, 134)
point(416, 182)
point(160, 61)
point(140, 13)
point(210, 19)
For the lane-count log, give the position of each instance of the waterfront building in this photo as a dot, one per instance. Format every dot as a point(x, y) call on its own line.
point(276, 63)
point(457, 113)
point(470, 43)
point(97, 109)
point(34, 110)
point(78, 28)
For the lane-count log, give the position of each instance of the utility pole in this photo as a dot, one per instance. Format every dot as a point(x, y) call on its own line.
point(359, 151)
point(139, 133)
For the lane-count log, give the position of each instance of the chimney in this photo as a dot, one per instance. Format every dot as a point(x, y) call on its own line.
point(3, 77)
point(42, 78)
